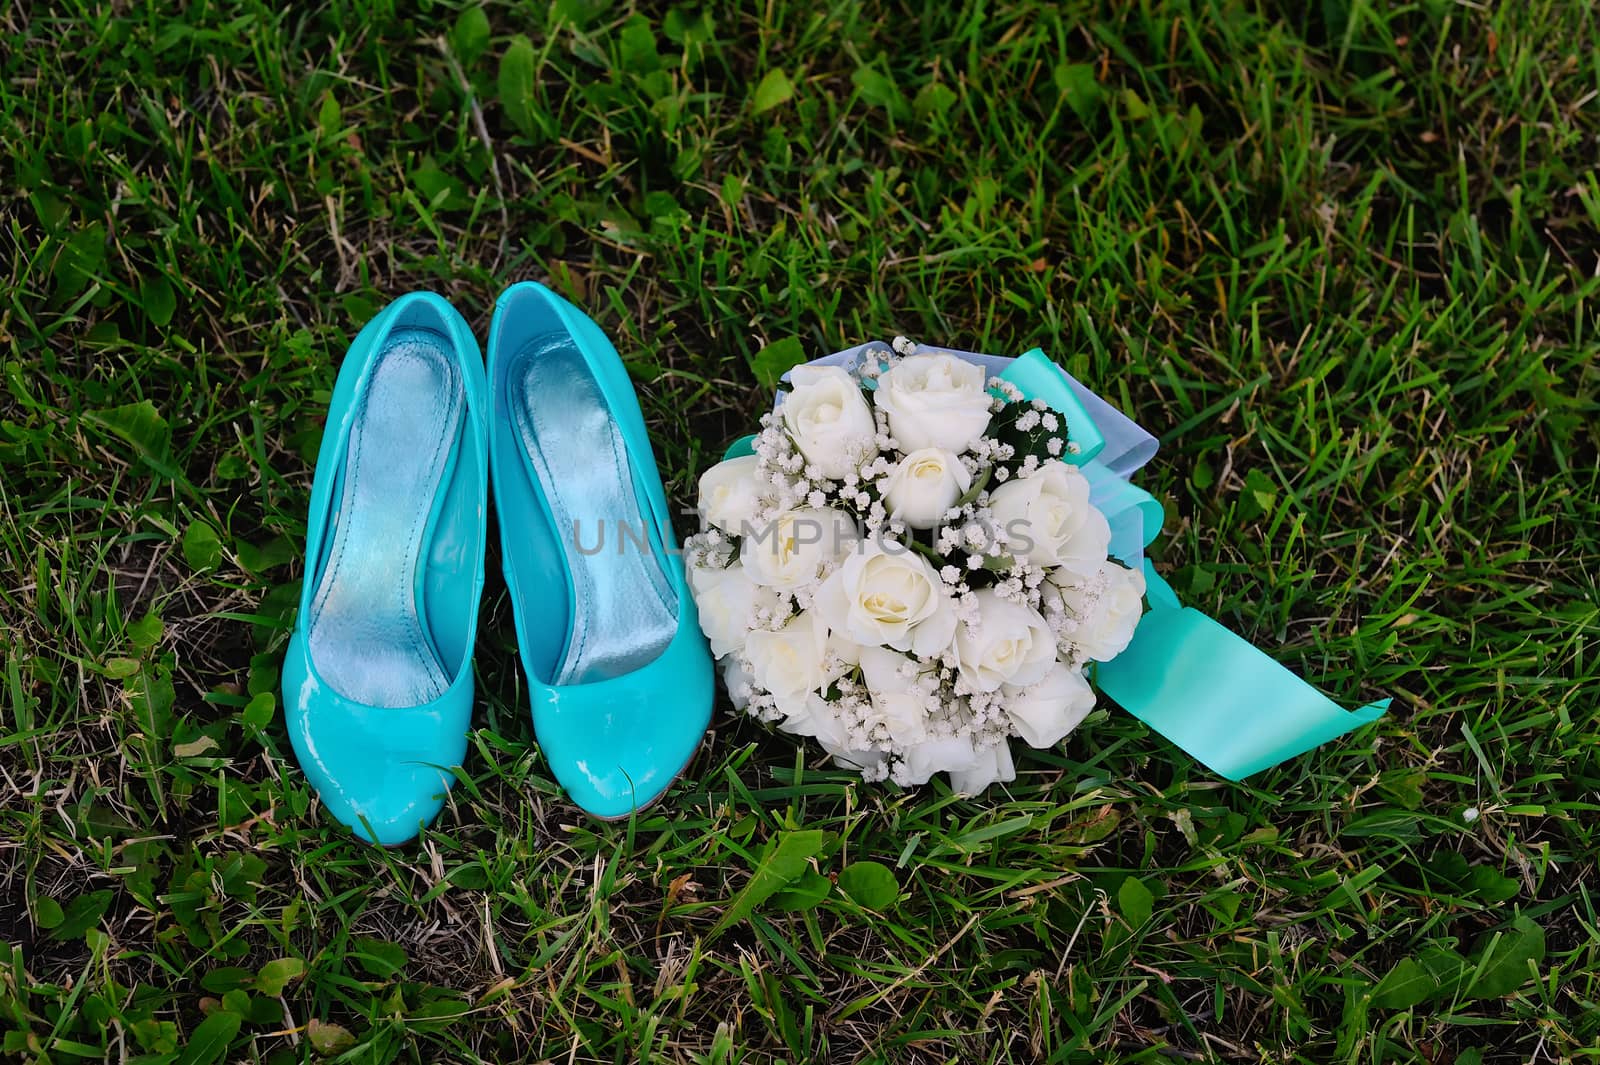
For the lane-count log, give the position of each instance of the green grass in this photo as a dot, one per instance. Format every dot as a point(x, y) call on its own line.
point(1343, 263)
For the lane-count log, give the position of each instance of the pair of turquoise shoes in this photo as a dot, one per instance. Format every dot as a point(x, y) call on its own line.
point(377, 680)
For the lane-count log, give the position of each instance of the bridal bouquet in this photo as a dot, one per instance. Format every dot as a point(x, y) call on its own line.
point(907, 567)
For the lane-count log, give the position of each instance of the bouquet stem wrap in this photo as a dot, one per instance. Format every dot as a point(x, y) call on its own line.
point(1222, 700)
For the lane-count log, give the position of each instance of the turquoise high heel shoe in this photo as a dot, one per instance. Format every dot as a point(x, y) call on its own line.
point(377, 681)
point(618, 671)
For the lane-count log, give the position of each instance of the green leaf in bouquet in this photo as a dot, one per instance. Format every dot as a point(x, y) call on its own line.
point(979, 483)
point(1003, 426)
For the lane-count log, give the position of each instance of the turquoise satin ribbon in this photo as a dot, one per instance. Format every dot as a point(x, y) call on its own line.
point(1208, 690)
point(1213, 694)
point(1201, 686)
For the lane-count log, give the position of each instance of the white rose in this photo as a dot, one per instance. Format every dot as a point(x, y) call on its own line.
point(829, 420)
point(898, 703)
point(1050, 519)
point(1043, 713)
point(729, 496)
point(991, 765)
point(790, 662)
point(727, 599)
point(1107, 606)
point(794, 549)
point(924, 485)
point(934, 401)
point(1011, 645)
point(880, 599)
point(949, 755)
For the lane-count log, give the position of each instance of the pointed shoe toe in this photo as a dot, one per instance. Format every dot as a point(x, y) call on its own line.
point(382, 773)
point(620, 677)
point(616, 745)
point(377, 681)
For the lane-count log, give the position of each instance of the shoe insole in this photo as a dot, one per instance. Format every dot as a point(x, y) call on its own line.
point(368, 636)
point(624, 609)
